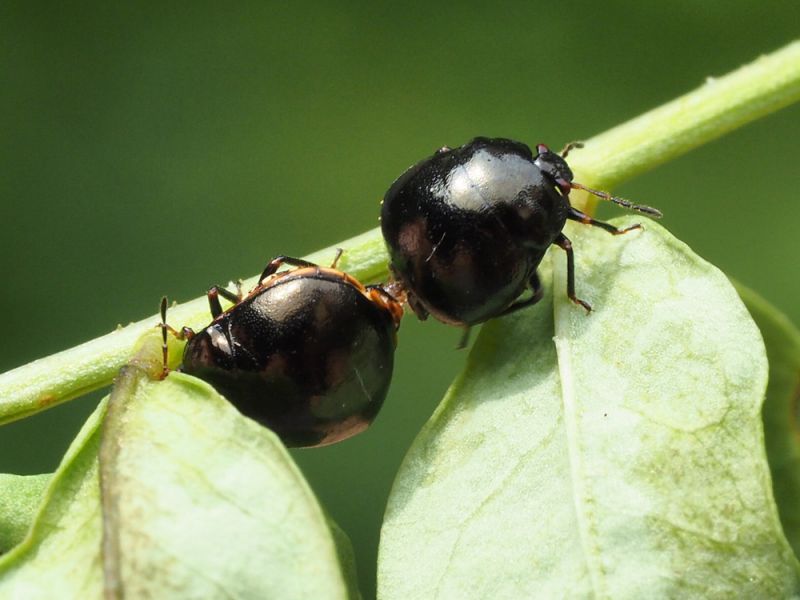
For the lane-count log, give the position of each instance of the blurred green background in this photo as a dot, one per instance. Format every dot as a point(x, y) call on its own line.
point(155, 150)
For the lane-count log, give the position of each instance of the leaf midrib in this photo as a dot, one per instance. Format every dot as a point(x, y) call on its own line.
point(587, 531)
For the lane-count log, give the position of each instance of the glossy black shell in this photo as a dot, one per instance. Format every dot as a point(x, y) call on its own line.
point(466, 228)
point(308, 355)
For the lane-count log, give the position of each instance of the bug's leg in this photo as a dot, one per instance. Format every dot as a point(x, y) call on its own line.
point(336, 258)
point(569, 147)
point(184, 334)
point(277, 262)
point(416, 306)
point(462, 343)
point(538, 292)
point(582, 217)
point(213, 295)
point(563, 242)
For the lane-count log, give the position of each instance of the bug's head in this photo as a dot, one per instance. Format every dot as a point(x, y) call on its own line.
point(555, 167)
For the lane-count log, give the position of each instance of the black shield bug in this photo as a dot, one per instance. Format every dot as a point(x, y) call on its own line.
point(467, 227)
point(309, 352)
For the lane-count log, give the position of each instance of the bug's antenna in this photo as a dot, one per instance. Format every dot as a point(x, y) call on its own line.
point(642, 208)
point(570, 147)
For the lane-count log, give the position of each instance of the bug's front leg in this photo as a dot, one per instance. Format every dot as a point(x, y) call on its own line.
point(563, 242)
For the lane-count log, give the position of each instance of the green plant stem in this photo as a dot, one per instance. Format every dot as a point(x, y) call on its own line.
point(69, 374)
point(718, 106)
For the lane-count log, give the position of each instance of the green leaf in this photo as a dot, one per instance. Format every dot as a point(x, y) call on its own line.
point(60, 556)
point(780, 414)
point(19, 501)
point(198, 501)
point(347, 558)
point(202, 502)
point(617, 454)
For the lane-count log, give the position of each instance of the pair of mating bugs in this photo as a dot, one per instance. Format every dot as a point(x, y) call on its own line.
point(309, 352)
